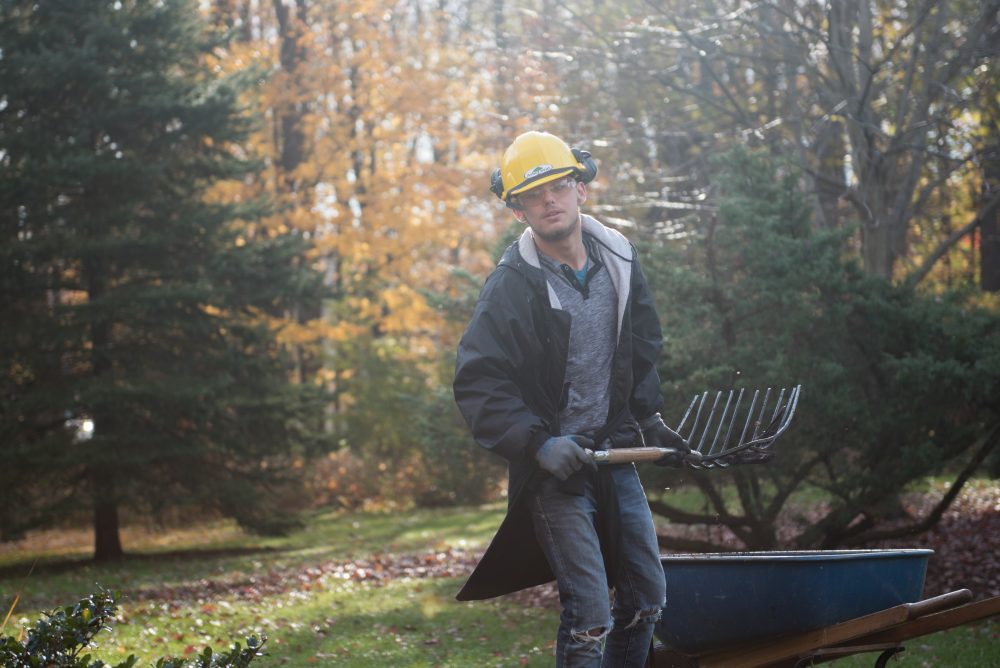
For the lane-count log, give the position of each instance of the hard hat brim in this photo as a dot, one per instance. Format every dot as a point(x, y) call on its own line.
point(541, 179)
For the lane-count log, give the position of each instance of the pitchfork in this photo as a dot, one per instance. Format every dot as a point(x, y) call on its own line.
point(762, 425)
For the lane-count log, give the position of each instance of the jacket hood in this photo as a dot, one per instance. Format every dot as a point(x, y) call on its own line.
point(617, 254)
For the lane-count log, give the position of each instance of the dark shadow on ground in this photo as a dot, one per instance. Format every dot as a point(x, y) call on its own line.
point(57, 566)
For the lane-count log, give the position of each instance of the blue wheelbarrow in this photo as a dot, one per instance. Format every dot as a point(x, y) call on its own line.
point(792, 609)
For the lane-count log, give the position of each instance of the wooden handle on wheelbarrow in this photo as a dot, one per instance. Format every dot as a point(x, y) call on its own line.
point(635, 455)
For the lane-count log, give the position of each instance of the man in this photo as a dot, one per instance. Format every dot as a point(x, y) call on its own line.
point(558, 358)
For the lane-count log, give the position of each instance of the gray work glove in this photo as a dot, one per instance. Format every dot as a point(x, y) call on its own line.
point(656, 434)
point(562, 456)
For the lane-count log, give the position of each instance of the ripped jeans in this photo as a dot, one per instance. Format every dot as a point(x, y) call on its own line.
point(565, 527)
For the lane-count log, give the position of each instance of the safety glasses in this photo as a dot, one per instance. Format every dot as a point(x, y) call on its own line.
point(536, 195)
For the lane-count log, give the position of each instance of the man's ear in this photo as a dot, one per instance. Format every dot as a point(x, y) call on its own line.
point(519, 214)
point(581, 192)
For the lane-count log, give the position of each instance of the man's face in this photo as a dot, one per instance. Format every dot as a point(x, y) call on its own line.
point(552, 210)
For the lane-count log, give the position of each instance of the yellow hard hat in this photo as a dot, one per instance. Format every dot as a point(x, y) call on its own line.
point(535, 158)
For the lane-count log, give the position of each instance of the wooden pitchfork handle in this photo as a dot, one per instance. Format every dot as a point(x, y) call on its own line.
point(637, 455)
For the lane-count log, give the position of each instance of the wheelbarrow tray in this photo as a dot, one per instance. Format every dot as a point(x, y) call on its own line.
point(716, 601)
point(881, 631)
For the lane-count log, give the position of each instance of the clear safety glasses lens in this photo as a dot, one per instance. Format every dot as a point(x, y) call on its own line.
point(537, 195)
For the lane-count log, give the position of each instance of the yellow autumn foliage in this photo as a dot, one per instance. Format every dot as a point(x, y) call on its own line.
point(371, 124)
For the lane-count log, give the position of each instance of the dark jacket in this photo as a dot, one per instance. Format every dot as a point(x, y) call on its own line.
point(509, 386)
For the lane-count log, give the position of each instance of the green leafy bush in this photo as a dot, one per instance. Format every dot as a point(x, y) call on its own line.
point(59, 639)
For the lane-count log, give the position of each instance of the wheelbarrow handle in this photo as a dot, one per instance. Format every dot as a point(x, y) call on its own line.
point(637, 455)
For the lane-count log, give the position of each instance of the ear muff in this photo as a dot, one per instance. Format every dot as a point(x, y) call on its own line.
point(589, 172)
point(496, 183)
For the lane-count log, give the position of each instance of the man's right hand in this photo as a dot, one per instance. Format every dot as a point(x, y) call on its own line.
point(562, 456)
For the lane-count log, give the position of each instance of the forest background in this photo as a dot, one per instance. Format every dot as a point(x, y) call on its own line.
point(240, 240)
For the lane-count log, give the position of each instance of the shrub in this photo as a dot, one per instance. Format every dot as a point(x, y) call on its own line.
point(59, 638)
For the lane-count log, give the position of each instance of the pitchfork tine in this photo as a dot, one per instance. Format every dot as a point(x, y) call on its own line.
point(697, 416)
point(789, 409)
point(760, 416)
point(708, 422)
point(687, 413)
point(786, 419)
point(777, 407)
point(786, 411)
point(774, 426)
point(732, 422)
point(722, 421)
point(752, 446)
point(753, 403)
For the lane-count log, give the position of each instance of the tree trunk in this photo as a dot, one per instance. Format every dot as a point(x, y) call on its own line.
point(877, 249)
point(107, 543)
point(502, 94)
point(989, 253)
point(831, 184)
point(107, 540)
point(291, 141)
point(989, 227)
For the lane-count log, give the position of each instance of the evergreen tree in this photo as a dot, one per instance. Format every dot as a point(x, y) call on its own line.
point(897, 385)
point(139, 361)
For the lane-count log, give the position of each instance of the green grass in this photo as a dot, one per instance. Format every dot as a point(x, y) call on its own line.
point(183, 595)
point(971, 646)
point(406, 623)
point(188, 589)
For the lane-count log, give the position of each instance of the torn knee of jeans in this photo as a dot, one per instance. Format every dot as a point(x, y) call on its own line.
point(595, 635)
point(650, 616)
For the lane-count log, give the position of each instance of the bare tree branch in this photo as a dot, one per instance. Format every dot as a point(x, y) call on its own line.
point(989, 444)
point(683, 517)
point(990, 209)
point(784, 492)
point(689, 544)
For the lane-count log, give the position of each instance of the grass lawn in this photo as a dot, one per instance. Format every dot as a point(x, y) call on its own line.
point(351, 589)
point(971, 646)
